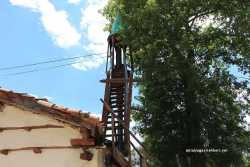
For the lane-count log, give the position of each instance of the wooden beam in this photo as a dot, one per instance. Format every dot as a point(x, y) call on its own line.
point(120, 158)
point(87, 155)
point(82, 142)
point(1, 106)
point(116, 80)
point(36, 149)
point(29, 128)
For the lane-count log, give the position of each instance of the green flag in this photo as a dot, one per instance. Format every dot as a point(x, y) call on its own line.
point(117, 25)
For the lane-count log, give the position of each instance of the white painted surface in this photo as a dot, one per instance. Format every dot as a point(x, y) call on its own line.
point(15, 117)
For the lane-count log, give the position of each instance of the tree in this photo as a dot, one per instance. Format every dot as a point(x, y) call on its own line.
point(184, 53)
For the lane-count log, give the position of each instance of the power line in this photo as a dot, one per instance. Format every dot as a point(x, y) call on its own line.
point(46, 62)
point(43, 69)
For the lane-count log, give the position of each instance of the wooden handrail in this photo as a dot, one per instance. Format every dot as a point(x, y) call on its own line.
point(138, 152)
point(121, 122)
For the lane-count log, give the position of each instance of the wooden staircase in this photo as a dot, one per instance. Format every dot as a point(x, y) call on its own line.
point(117, 106)
point(118, 100)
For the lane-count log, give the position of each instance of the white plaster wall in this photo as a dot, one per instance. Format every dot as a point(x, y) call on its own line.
point(15, 117)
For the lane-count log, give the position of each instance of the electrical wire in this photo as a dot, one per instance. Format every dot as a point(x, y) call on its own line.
point(42, 69)
point(46, 62)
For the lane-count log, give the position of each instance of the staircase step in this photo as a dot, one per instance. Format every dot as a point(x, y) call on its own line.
point(116, 127)
point(119, 109)
point(112, 81)
point(110, 135)
point(117, 94)
point(110, 122)
point(116, 101)
point(111, 116)
point(117, 97)
point(115, 88)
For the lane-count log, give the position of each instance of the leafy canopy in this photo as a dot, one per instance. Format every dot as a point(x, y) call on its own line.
point(186, 52)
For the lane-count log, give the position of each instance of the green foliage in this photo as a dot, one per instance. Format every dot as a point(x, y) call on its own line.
point(247, 159)
point(184, 52)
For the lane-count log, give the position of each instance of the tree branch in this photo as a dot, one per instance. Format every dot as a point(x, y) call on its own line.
point(200, 15)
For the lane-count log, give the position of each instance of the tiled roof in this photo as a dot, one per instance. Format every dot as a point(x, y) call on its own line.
point(42, 105)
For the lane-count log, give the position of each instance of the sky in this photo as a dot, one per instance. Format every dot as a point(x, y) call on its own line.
point(41, 30)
